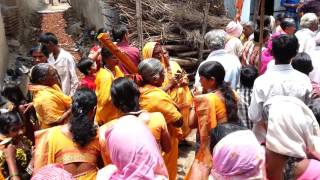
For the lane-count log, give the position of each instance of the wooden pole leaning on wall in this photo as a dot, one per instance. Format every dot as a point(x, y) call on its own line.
point(206, 9)
point(139, 24)
point(262, 12)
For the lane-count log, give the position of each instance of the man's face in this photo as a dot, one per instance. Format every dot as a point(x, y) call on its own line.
point(290, 30)
point(50, 46)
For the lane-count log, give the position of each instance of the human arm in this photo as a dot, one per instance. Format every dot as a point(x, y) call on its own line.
point(193, 120)
point(10, 154)
point(255, 108)
point(275, 164)
point(73, 77)
point(165, 139)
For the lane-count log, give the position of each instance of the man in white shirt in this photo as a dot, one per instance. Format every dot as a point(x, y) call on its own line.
point(309, 25)
point(279, 79)
point(63, 61)
point(216, 40)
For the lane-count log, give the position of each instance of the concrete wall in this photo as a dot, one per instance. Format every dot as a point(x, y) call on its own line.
point(96, 13)
point(3, 52)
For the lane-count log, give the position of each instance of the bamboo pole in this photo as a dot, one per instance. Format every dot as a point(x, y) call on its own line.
point(139, 24)
point(204, 29)
point(262, 4)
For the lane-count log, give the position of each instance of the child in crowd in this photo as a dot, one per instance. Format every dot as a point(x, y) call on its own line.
point(88, 68)
point(248, 75)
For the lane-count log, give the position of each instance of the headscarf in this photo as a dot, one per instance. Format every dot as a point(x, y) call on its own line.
point(149, 68)
point(147, 50)
point(238, 156)
point(292, 127)
point(134, 150)
point(52, 172)
point(234, 29)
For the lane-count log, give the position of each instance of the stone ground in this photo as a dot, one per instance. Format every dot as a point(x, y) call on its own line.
point(53, 19)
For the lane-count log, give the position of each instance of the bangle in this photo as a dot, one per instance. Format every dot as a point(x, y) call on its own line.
point(12, 175)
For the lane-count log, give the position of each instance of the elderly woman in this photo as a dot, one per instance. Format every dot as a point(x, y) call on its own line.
point(215, 40)
point(125, 96)
point(309, 25)
point(234, 45)
point(175, 83)
point(51, 104)
point(39, 53)
point(153, 99)
point(293, 132)
point(76, 144)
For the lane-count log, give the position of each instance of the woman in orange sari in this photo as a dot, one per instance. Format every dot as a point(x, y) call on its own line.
point(75, 145)
point(125, 96)
point(218, 103)
point(175, 83)
point(51, 104)
point(154, 99)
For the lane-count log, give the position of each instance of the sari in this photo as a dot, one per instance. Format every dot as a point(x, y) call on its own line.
point(53, 146)
point(155, 122)
point(106, 111)
point(133, 151)
point(181, 95)
point(50, 104)
point(52, 171)
point(153, 99)
point(238, 156)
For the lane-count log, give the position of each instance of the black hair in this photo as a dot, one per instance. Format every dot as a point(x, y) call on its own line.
point(84, 65)
point(13, 93)
point(105, 54)
point(302, 62)
point(48, 37)
point(267, 21)
point(256, 34)
point(311, 7)
point(287, 22)
point(222, 130)
point(9, 120)
point(40, 48)
point(118, 32)
point(215, 70)
point(314, 105)
point(125, 95)
point(280, 17)
point(248, 75)
point(101, 30)
point(284, 48)
point(82, 128)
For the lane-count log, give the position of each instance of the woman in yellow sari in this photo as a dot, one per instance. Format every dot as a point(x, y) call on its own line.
point(106, 111)
point(51, 104)
point(125, 96)
point(154, 99)
point(218, 103)
point(175, 82)
point(75, 145)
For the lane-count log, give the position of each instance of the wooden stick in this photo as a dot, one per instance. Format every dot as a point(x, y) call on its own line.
point(204, 29)
point(139, 24)
point(261, 30)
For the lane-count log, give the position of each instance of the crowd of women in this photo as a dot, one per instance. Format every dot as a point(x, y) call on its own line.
point(256, 113)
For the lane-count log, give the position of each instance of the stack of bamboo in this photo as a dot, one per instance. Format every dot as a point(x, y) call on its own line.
point(175, 23)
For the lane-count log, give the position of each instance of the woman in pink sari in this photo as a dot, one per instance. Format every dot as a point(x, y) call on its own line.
point(267, 56)
point(133, 151)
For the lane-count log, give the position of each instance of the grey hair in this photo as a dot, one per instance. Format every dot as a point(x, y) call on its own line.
point(149, 69)
point(39, 73)
point(249, 24)
point(308, 20)
point(215, 39)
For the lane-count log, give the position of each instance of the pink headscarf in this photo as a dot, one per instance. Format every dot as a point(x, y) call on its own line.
point(266, 56)
point(238, 156)
point(234, 29)
point(134, 151)
point(52, 172)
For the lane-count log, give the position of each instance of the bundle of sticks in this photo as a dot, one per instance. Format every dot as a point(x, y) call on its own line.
point(175, 23)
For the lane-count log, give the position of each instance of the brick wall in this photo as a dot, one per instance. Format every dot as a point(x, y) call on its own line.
point(10, 13)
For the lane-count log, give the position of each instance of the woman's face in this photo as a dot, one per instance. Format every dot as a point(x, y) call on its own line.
point(207, 84)
point(39, 57)
point(157, 51)
point(16, 131)
point(53, 77)
point(158, 81)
